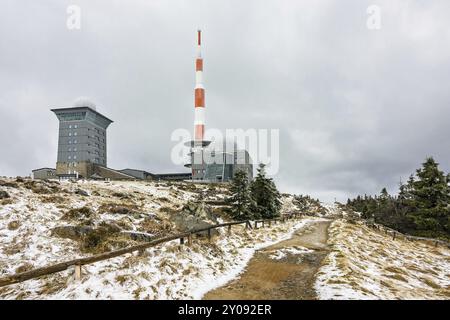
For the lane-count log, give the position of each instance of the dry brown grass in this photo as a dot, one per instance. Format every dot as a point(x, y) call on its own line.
point(13, 225)
point(5, 202)
point(77, 213)
point(53, 199)
point(397, 276)
point(122, 278)
point(430, 283)
point(155, 227)
point(394, 269)
point(118, 208)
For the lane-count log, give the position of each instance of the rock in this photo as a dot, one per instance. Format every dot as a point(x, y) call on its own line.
point(71, 232)
point(81, 192)
point(195, 216)
point(4, 195)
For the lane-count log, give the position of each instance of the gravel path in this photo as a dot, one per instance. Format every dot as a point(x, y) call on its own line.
point(285, 270)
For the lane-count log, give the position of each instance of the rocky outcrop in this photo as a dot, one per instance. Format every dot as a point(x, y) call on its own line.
point(195, 215)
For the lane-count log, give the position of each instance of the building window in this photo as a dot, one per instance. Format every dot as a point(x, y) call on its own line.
point(70, 149)
point(75, 164)
point(74, 157)
point(70, 134)
point(70, 141)
point(69, 157)
point(74, 141)
point(75, 134)
point(75, 126)
point(74, 149)
point(70, 126)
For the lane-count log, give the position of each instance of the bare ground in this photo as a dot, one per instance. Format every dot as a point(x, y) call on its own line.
point(291, 277)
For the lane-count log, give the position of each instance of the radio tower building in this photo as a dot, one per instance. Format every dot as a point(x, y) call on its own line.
point(220, 165)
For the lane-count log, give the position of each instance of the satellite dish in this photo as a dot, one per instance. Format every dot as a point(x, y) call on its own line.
point(84, 102)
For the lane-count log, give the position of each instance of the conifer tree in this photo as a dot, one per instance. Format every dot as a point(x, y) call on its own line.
point(431, 197)
point(265, 195)
point(241, 201)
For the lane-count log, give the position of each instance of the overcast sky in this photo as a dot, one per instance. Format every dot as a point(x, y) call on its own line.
point(357, 109)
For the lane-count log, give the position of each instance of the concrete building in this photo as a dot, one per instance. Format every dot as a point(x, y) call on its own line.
point(138, 174)
point(82, 140)
point(44, 173)
point(210, 165)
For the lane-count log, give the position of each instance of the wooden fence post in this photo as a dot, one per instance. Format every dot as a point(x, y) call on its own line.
point(270, 223)
point(189, 239)
point(229, 229)
point(209, 234)
point(256, 224)
point(181, 240)
point(393, 237)
point(78, 272)
point(263, 224)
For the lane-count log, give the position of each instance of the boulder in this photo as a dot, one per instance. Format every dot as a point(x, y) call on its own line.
point(81, 192)
point(195, 215)
point(71, 232)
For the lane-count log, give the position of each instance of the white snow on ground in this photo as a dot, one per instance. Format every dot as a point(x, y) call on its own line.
point(282, 253)
point(367, 264)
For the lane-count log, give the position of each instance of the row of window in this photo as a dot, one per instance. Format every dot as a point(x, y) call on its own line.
point(75, 126)
point(96, 160)
point(75, 134)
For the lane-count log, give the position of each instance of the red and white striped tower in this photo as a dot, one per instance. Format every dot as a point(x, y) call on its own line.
point(197, 145)
point(199, 121)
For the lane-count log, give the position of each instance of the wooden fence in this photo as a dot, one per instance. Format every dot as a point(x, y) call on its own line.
point(78, 263)
point(396, 235)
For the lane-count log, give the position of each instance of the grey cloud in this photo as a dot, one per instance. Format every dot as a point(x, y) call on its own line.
point(356, 109)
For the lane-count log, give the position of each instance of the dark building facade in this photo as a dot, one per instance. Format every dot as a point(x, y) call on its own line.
point(82, 140)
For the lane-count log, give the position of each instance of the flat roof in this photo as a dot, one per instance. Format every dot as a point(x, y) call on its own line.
point(80, 108)
point(43, 169)
point(173, 174)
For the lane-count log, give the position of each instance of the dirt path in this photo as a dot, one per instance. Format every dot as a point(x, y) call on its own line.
point(285, 270)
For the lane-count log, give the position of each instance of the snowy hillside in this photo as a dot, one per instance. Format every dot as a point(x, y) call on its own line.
point(367, 264)
point(40, 224)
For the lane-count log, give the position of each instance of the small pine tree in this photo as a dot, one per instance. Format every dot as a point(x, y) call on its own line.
point(241, 201)
point(265, 195)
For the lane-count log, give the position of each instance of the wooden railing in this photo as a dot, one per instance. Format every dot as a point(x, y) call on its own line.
point(396, 234)
point(78, 263)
